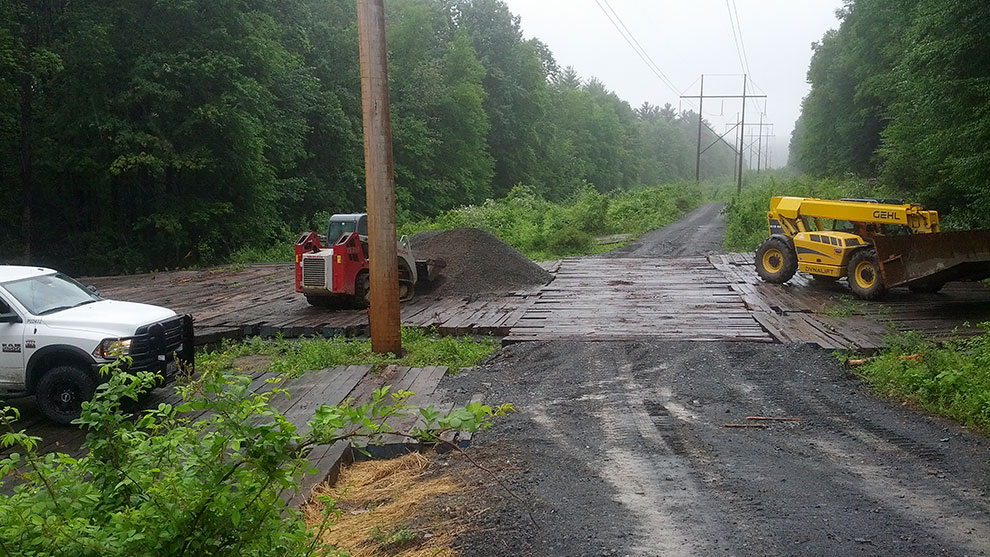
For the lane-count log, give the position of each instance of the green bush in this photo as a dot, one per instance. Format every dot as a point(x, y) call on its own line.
point(570, 241)
point(952, 378)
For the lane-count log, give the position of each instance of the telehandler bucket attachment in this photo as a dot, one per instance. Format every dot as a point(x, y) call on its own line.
point(933, 259)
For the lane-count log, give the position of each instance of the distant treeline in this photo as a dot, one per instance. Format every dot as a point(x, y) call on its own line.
point(154, 133)
point(901, 92)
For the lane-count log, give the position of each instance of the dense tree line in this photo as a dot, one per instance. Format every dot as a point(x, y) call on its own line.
point(153, 133)
point(901, 92)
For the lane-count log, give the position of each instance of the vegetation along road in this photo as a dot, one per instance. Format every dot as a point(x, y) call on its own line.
point(622, 448)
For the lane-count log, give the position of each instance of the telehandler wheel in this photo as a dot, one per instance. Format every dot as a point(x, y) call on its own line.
point(776, 261)
point(864, 275)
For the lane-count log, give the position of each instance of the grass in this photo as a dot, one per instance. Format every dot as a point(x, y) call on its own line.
point(391, 507)
point(951, 378)
point(842, 306)
point(295, 356)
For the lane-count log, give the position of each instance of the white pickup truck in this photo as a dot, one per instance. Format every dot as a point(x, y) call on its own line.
point(56, 334)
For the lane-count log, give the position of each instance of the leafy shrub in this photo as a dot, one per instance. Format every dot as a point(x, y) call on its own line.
point(569, 241)
point(170, 483)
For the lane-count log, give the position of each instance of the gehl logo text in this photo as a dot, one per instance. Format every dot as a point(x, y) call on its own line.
point(890, 215)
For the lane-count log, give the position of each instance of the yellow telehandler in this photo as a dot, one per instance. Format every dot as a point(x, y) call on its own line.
point(876, 245)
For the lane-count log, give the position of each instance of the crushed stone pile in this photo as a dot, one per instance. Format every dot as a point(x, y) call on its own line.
point(477, 262)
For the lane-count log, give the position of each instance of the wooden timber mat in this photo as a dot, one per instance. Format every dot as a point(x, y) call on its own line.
point(806, 310)
point(675, 298)
point(305, 394)
point(260, 300)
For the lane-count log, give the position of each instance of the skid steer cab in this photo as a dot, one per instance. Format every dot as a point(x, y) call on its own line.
point(875, 245)
point(332, 271)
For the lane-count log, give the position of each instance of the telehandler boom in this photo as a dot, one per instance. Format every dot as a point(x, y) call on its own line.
point(875, 245)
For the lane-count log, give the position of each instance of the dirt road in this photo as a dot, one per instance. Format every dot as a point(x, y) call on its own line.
point(699, 232)
point(621, 448)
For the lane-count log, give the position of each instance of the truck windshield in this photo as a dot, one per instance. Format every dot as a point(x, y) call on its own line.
point(46, 294)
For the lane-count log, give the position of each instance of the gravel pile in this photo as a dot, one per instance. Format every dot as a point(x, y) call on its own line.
point(477, 262)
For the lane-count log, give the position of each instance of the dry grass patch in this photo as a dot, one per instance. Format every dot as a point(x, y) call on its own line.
point(401, 506)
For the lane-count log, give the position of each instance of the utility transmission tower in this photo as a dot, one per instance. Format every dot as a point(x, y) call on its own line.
point(742, 126)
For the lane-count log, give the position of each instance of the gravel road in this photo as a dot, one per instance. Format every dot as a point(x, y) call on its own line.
point(620, 448)
point(699, 232)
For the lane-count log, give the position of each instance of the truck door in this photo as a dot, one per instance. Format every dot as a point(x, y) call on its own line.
point(11, 348)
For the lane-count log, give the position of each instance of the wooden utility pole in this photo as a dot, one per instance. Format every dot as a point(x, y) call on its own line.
point(379, 179)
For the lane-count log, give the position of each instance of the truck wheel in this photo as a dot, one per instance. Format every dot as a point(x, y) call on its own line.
point(776, 261)
point(864, 275)
point(61, 392)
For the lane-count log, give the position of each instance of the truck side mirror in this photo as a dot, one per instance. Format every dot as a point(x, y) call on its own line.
point(10, 317)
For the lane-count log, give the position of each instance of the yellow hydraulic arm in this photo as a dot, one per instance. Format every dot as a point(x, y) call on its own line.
point(789, 210)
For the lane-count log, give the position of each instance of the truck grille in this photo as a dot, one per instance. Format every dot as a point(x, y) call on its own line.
point(314, 271)
point(158, 338)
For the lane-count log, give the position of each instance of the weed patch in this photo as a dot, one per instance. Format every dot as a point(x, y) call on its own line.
point(294, 356)
point(951, 378)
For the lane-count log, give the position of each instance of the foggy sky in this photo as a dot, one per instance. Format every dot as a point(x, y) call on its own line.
point(687, 38)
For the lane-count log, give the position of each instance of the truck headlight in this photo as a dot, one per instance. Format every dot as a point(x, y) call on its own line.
point(112, 348)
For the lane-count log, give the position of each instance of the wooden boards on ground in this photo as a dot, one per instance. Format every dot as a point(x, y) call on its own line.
point(260, 300)
point(675, 298)
point(805, 310)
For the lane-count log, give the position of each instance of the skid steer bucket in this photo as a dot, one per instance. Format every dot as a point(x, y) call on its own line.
point(934, 259)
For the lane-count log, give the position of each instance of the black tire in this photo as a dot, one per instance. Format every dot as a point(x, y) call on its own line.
point(776, 261)
point(61, 392)
point(362, 290)
point(864, 275)
point(930, 288)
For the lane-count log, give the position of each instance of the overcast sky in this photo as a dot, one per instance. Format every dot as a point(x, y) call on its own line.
point(687, 38)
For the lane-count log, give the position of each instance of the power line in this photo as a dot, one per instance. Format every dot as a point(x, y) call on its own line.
point(735, 37)
point(643, 50)
point(742, 43)
point(637, 48)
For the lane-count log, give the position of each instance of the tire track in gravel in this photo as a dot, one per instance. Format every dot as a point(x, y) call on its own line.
point(629, 455)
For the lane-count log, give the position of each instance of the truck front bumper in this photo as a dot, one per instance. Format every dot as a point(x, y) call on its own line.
point(165, 348)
